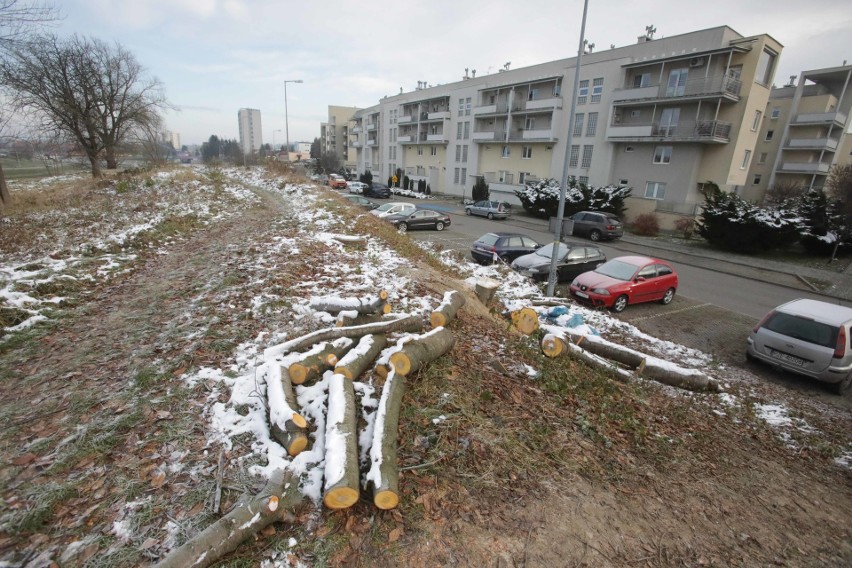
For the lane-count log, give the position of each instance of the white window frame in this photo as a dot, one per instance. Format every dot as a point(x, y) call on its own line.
point(526, 152)
point(574, 157)
point(746, 159)
point(433, 150)
point(505, 152)
point(529, 123)
point(755, 123)
point(776, 112)
point(655, 190)
point(592, 124)
point(583, 92)
point(588, 150)
point(770, 134)
point(663, 155)
point(761, 158)
point(756, 179)
point(579, 118)
point(597, 89)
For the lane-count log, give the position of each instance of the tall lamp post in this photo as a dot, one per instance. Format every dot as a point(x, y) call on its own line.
point(286, 121)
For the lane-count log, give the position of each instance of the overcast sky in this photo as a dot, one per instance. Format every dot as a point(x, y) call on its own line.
point(217, 56)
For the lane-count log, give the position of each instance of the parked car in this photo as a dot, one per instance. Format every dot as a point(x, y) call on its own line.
point(572, 259)
point(626, 280)
point(490, 209)
point(379, 190)
point(336, 181)
point(362, 201)
point(597, 225)
point(356, 186)
point(806, 337)
point(419, 219)
point(393, 208)
point(506, 246)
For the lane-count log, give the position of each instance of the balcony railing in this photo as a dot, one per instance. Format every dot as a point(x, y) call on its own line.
point(805, 167)
point(686, 131)
point(713, 86)
point(829, 144)
point(836, 118)
point(371, 126)
point(489, 136)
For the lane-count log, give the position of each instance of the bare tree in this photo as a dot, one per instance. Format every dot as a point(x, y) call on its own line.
point(93, 93)
point(19, 18)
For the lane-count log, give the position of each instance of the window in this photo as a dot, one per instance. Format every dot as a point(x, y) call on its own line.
point(676, 86)
point(420, 150)
point(522, 177)
point(776, 112)
point(592, 126)
point(655, 190)
point(756, 180)
point(746, 158)
point(578, 123)
point(529, 123)
point(755, 124)
point(459, 130)
point(456, 176)
point(623, 182)
point(668, 121)
point(504, 177)
point(761, 158)
point(597, 90)
point(635, 113)
point(641, 80)
point(464, 154)
point(587, 156)
point(765, 67)
point(584, 180)
point(533, 95)
point(527, 152)
point(557, 89)
point(663, 155)
point(458, 153)
point(770, 134)
point(467, 106)
point(463, 175)
point(583, 92)
point(505, 152)
point(434, 150)
point(628, 148)
point(575, 156)
point(466, 131)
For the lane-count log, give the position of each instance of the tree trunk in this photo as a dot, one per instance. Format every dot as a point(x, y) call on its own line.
point(416, 353)
point(525, 320)
point(95, 162)
point(409, 324)
point(368, 305)
point(286, 425)
point(345, 319)
point(319, 359)
point(342, 476)
point(5, 197)
point(689, 379)
point(384, 470)
point(250, 515)
point(596, 345)
point(485, 289)
point(451, 304)
point(358, 359)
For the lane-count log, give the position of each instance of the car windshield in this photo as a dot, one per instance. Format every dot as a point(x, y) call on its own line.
point(385, 207)
point(488, 239)
point(617, 269)
point(547, 251)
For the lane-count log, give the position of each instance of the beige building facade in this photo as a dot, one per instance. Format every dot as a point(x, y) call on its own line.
point(334, 134)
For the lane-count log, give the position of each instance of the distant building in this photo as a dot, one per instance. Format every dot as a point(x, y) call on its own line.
point(172, 138)
point(303, 148)
point(251, 133)
point(334, 135)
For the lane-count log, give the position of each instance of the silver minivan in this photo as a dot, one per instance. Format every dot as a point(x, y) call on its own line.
point(809, 338)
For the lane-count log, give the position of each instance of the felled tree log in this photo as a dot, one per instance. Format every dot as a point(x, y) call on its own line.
point(368, 305)
point(485, 288)
point(410, 324)
point(525, 320)
point(251, 514)
point(288, 427)
point(417, 352)
point(353, 318)
point(384, 469)
point(553, 346)
point(349, 239)
point(358, 359)
point(689, 379)
point(319, 359)
point(452, 302)
point(342, 476)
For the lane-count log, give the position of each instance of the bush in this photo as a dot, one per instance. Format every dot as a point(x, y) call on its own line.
point(646, 225)
point(731, 223)
point(480, 190)
point(542, 198)
point(685, 226)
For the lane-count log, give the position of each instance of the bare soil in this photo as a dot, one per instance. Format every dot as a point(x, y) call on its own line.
point(573, 470)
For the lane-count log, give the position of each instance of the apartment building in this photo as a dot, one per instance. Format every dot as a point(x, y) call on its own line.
point(334, 134)
point(804, 131)
point(663, 116)
point(251, 132)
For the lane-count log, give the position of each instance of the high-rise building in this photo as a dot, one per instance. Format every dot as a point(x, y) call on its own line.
point(251, 133)
point(334, 134)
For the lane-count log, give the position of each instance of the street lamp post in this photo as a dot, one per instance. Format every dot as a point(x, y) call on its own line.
point(286, 121)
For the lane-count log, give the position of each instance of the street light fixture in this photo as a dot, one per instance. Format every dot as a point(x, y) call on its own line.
point(286, 121)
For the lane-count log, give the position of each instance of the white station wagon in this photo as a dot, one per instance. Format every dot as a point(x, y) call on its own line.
point(393, 208)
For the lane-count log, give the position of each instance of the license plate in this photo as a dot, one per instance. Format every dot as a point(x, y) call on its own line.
point(581, 294)
point(793, 360)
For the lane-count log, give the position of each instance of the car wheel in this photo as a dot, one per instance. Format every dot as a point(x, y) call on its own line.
point(491, 216)
point(595, 235)
point(842, 387)
point(619, 304)
point(402, 228)
point(668, 297)
point(439, 226)
point(467, 212)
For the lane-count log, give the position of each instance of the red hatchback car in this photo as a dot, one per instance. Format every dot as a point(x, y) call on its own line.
point(626, 280)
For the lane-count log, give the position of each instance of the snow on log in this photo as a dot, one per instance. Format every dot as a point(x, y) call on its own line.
point(318, 359)
point(421, 350)
point(485, 288)
point(525, 320)
point(403, 323)
point(358, 359)
point(367, 305)
point(342, 476)
point(250, 515)
point(384, 469)
point(287, 427)
point(676, 376)
point(354, 318)
point(555, 344)
point(452, 302)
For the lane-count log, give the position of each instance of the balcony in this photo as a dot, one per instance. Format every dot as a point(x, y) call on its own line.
point(407, 119)
point(804, 168)
point(356, 144)
point(706, 131)
point(537, 105)
point(828, 144)
point(495, 109)
point(530, 135)
point(440, 115)
point(716, 86)
point(437, 138)
point(408, 139)
point(371, 126)
point(372, 142)
point(819, 118)
point(489, 136)
point(356, 129)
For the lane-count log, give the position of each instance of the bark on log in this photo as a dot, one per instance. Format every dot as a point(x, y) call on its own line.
point(251, 514)
point(287, 427)
point(525, 320)
point(358, 359)
point(347, 318)
point(452, 302)
point(322, 357)
point(367, 305)
point(596, 345)
point(422, 350)
point(485, 289)
point(342, 476)
point(689, 379)
point(409, 324)
point(384, 469)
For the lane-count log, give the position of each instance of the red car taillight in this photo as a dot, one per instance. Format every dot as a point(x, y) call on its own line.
point(610, 227)
point(840, 348)
point(763, 321)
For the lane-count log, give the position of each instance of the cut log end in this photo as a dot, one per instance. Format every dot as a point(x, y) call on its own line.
point(340, 498)
point(387, 308)
point(299, 420)
point(386, 499)
point(383, 295)
point(525, 320)
point(437, 319)
point(552, 346)
point(298, 443)
point(382, 370)
point(343, 371)
point(401, 363)
point(298, 373)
